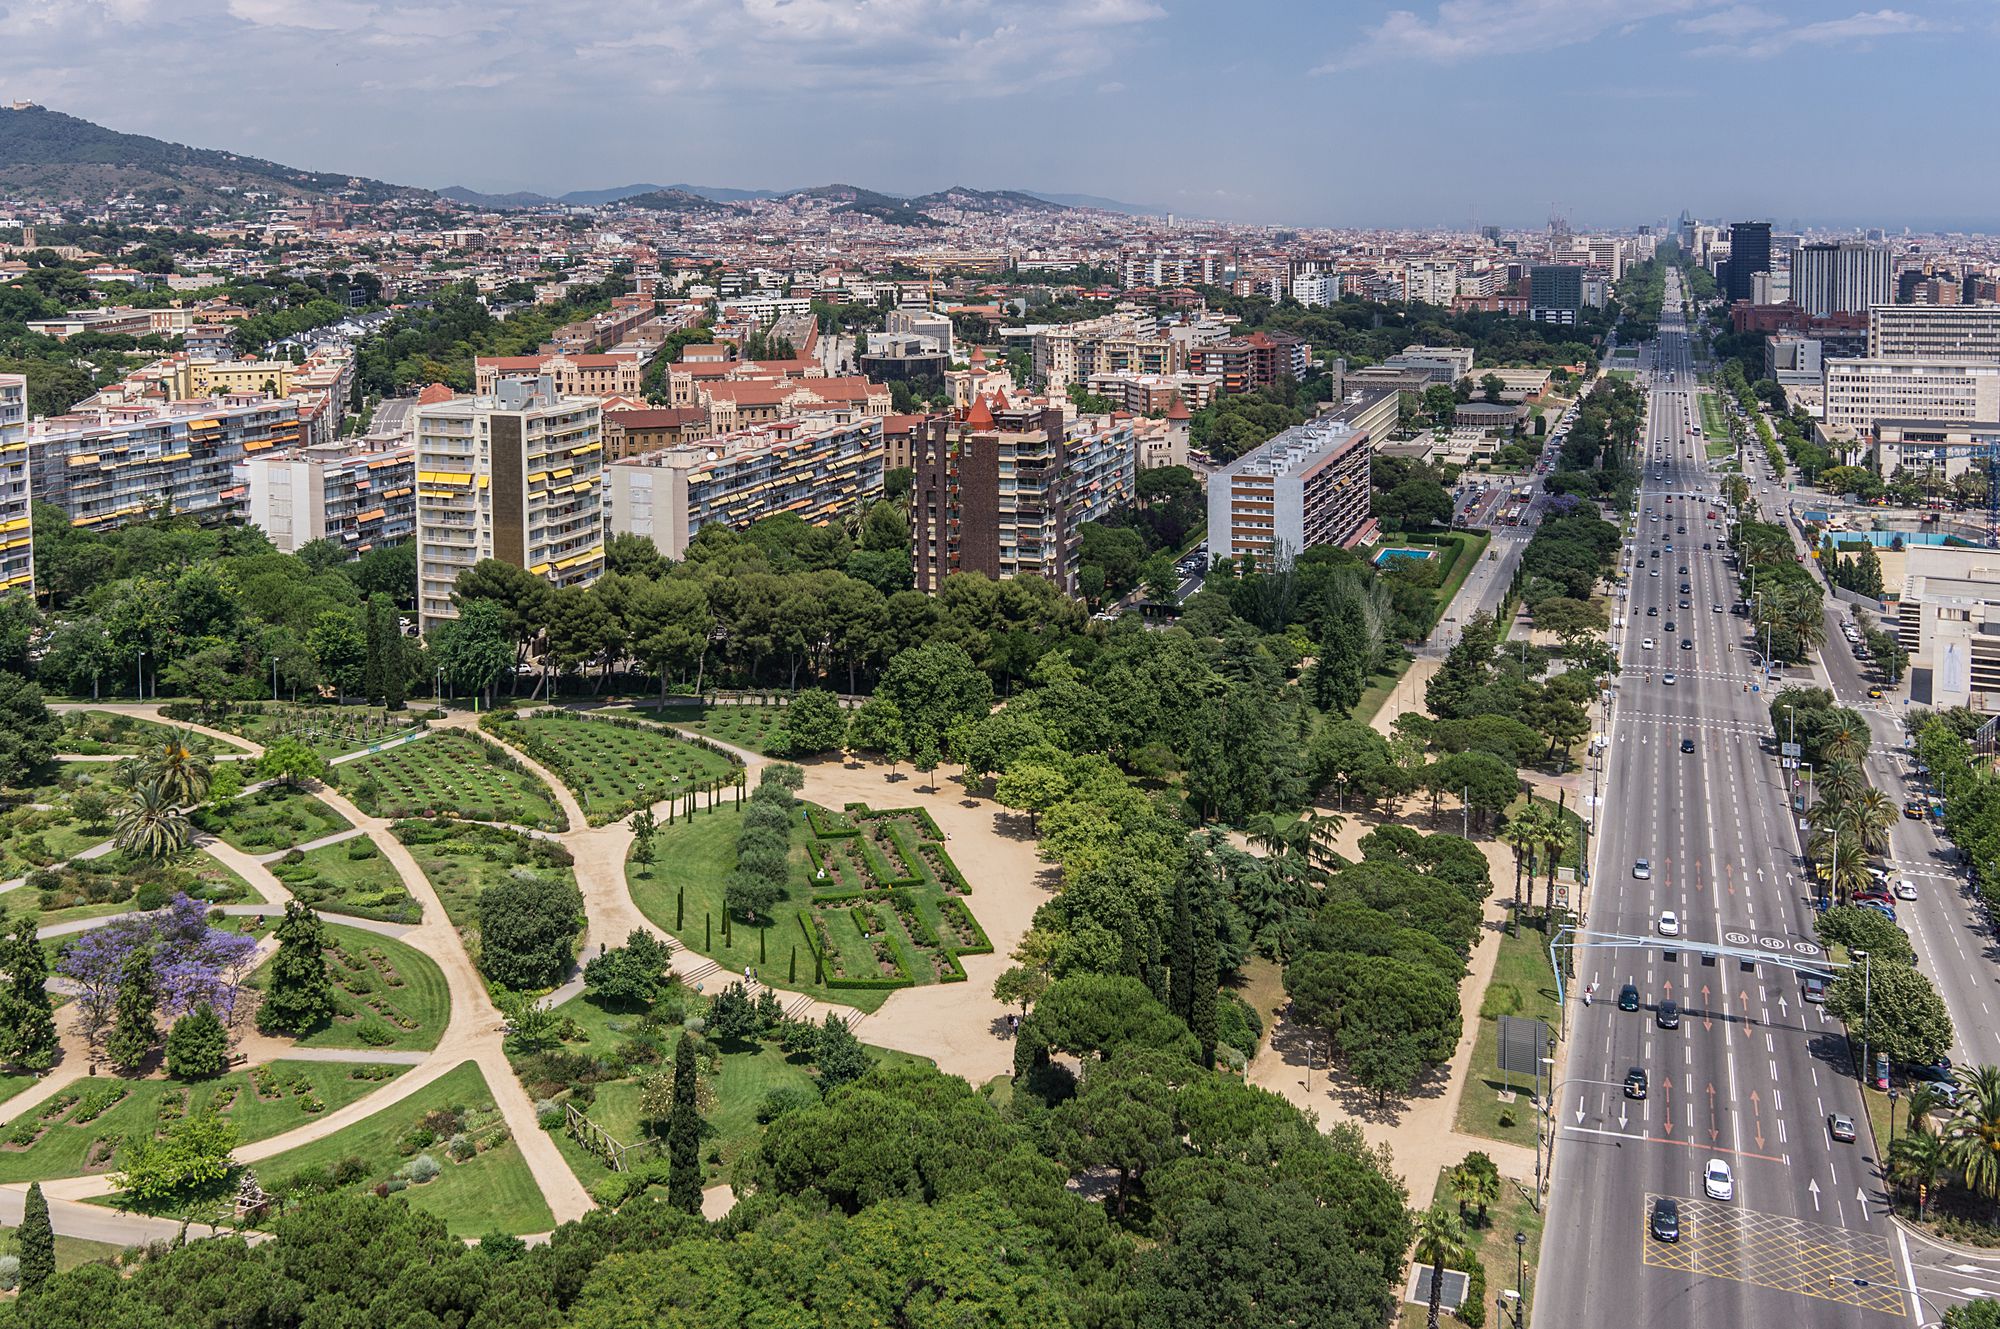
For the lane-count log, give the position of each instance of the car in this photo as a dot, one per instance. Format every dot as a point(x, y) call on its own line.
point(1652, 611)
point(1687, 745)
point(1840, 1126)
point(1687, 604)
point(1717, 1181)
point(1687, 643)
point(1715, 609)
point(1668, 625)
point(1668, 1014)
point(1635, 1082)
point(1680, 530)
point(1653, 572)
point(1686, 586)
point(1706, 546)
point(1646, 644)
point(1642, 869)
point(1915, 810)
point(1628, 998)
point(1684, 569)
point(1875, 694)
point(1812, 987)
point(1668, 678)
point(1670, 923)
point(1882, 907)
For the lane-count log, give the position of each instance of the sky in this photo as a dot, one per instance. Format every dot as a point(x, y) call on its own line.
point(1294, 112)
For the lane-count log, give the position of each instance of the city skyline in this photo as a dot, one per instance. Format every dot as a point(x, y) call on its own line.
point(736, 94)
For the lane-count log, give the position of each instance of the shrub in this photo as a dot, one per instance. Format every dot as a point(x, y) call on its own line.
point(460, 1147)
point(548, 1114)
point(374, 1033)
point(361, 848)
point(152, 895)
point(349, 1170)
point(423, 1168)
point(780, 1101)
point(10, 1272)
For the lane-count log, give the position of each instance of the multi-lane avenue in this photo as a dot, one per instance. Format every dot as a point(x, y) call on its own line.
point(1750, 1073)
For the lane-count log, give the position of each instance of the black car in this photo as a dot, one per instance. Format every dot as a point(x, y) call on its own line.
point(1668, 625)
point(1687, 644)
point(1628, 998)
point(1666, 1222)
point(1635, 1082)
point(1706, 546)
point(1652, 611)
point(1668, 1016)
point(1686, 587)
point(1687, 745)
point(1684, 569)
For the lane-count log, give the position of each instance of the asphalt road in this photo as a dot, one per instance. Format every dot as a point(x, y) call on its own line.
point(1752, 1072)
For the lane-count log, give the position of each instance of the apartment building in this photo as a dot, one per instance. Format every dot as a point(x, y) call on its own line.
point(1430, 282)
point(108, 465)
point(1948, 450)
point(1861, 392)
point(602, 331)
point(517, 476)
point(1848, 277)
point(1117, 343)
point(1152, 394)
point(17, 536)
point(1948, 619)
point(1244, 364)
point(358, 495)
point(1555, 294)
point(820, 471)
point(575, 375)
point(1943, 332)
point(1003, 491)
point(1306, 487)
point(631, 431)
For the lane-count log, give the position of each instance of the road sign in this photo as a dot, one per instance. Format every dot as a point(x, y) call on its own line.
point(1562, 896)
point(1521, 1044)
point(1790, 750)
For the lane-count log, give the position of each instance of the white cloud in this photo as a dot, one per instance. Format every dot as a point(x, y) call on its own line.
point(1854, 29)
point(1469, 29)
point(1735, 21)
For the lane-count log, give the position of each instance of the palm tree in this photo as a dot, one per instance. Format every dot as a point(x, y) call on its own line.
point(1463, 1183)
point(1871, 816)
point(1840, 863)
point(1440, 1237)
point(1973, 1135)
point(1841, 782)
point(1920, 1101)
point(1558, 838)
point(177, 772)
point(1321, 830)
point(1519, 834)
point(152, 825)
point(1917, 1159)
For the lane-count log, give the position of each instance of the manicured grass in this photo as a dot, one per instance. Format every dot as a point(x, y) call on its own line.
point(1714, 423)
point(70, 1251)
point(115, 883)
point(452, 772)
point(1492, 1240)
point(11, 1085)
point(613, 767)
point(752, 725)
point(693, 859)
point(1471, 548)
point(350, 877)
point(388, 994)
point(65, 1148)
point(330, 730)
point(462, 860)
point(491, 1190)
point(1522, 985)
point(100, 733)
point(1381, 687)
point(275, 817)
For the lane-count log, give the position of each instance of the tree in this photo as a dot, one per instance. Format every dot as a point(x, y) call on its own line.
point(1972, 1138)
point(643, 826)
point(814, 724)
point(684, 1132)
point(178, 772)
point(1031, 787)
point(841, 1060)
point(191, 1163)
point(1020, 983)
point(878, 727)
point(1491, 386)
point(1917, 1160)
point(197, 1045)
point(151, 826)
point(932, 685)
point(298, 994)
point(28, 1035)
point(133, 1031)
point(1440, 1239)
point(1907, 1019)
point(751, 893)
point(36, 1242)
point(1979, 1313)
point(526, 929)
point(291, 761)
point(28, 729)
point(633, 975)
point(474, 649)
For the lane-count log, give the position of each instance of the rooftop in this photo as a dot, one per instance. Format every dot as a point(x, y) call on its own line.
point(1296, 448)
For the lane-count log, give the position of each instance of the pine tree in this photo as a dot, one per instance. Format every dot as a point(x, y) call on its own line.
point(299, 995)
point(684, 1133)
point(27, 1018)
point(133, 1031)
point(36, 1242)
point(197, 1045)
point(372, 653)
point(841, 1058)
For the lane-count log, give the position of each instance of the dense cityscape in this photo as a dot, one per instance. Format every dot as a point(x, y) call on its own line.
point(731, 756)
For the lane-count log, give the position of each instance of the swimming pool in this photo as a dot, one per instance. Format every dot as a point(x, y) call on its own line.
point(1385, 555)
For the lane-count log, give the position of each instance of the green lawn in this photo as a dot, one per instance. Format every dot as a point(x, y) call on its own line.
point(751, 726)
point(350, 877)
point(103, 733)
point(1522, 985)
point(117, 882)
point(451, 772)
point(63, 1146)
point(330, 730)
point(493, 1189)
point(613, 767)
point(390, 994)
point(462, 860)
point(275, 817)
point(1714, 423)
point(39, 826)
point(1380, 687)
point(1492, 1239)
point(70, 1251)
point(11, 1085)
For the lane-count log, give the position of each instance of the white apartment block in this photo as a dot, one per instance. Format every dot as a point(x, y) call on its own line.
point(1949, 621)
point(360, 497)
point(1316, 290)
point(1945, 332)
point(517, 476)
point(1843, 278)
point(108, 465)
point(1861, 392)
point(17, 540)
point(1431, 282)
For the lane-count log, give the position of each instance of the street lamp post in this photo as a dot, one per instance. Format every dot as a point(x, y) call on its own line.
point(1894, 1094)
point(140, 670)
point(274, 676)
point(440, 687)
point(1520, 1273)
point(1867, 976)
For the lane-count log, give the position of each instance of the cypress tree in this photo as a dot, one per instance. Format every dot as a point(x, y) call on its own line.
point(1180, 989)
point(1207, 977)
point(684, 1133)
point(300, 995)
point(27, 1017)
point(133, 1032)
point(36, 1242)
point(394, 675)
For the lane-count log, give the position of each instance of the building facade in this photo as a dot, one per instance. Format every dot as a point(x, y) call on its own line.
point(517, 476)
point(1244, 364)
point(115, 464)
point(1306, 487)
point(817, 471)
point(17, 532)
point(357, 496)
point(1749, 254)
point(1555, 293)
point(1861, 392)
point(1949, 332)
point(1845, 278)
point(1948, 619)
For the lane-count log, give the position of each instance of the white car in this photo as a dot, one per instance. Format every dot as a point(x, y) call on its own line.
point(1668, 678)
point(1647, 644)
point(1906, 889)
point(1670, 923)
point(1717, 1181)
